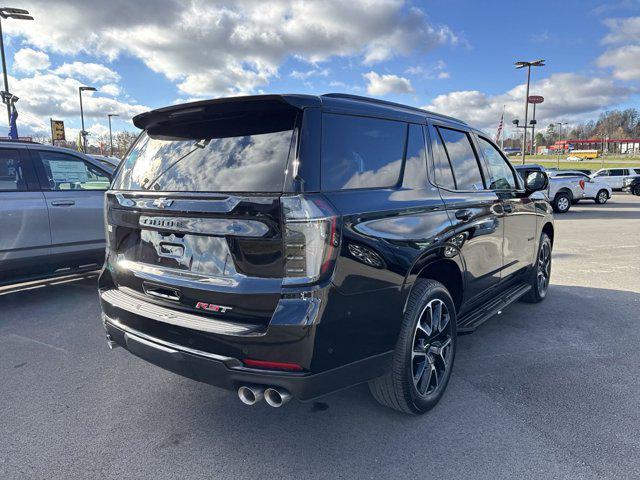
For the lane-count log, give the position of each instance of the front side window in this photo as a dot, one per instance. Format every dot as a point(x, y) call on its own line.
point(463, 160)
point(617, 173)
point(500, 174)
point(11, 173)
point(603, 173)
point(65, 172)
point(359, 152)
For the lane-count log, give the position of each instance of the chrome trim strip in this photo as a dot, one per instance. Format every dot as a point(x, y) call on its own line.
point(173, 317)
point(163, 343)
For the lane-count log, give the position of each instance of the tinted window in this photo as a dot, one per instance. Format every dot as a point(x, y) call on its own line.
point(65, 172)
point(466, 171)
point(244, 153)
point(501, 175)
point(636, 171)
point(442, 169)
point(11, 171)
point(361, 152)
point(415, 167)
point(617, 172)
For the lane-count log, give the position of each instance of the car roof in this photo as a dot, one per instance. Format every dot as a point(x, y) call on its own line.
point(336, 102)
point(53, 148)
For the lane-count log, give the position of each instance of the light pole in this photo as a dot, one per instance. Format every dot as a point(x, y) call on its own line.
point(16, 14)
point(109, 115)
point(536, 63)
point(83, 132)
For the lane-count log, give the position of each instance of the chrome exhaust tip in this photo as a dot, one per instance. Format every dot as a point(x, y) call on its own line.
point(111, 343)
point(250, 395)
point(276, 398)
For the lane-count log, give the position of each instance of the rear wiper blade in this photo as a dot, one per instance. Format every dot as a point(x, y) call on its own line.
point(200, 144)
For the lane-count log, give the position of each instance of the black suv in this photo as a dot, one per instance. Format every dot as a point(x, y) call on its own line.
point(290, 245)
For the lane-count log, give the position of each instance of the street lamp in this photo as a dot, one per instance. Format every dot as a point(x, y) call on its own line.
point(109, 115)
point(83, 132)
point(535, 63)
point(16, 14)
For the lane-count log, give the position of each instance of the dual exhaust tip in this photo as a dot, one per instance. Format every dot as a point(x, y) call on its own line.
point(252, 394)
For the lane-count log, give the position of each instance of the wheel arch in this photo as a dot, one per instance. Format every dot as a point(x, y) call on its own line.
point(447, 272)
point(548, 229)
point(565, 190)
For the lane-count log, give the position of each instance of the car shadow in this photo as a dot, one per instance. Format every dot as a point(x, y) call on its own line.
point(551, 361)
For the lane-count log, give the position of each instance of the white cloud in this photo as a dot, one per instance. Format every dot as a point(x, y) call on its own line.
point(215, 47)
point(28, 60)
point(93, 72)
point(568, 97)
point(384, 84)
point(623, 60)
point(314, 72)
point(436, 71)
point(46, 95)
point(111, 89)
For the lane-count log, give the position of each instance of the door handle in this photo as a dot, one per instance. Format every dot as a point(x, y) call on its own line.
point(507, 207)
point(62, 203)
point(464, 215)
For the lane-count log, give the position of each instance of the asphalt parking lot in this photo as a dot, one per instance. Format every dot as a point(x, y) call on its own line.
point(541, 391)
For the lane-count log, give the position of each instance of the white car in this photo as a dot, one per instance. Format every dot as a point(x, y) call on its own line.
point(615, 177)
point(594, 188)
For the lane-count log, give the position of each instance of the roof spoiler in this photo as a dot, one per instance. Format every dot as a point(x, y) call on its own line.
point(215, 108)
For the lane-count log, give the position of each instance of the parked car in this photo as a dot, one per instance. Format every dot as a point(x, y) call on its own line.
point(615, 177)
point(51, 210)
point(562, 192)
point(593, 189)
point(290, 245)
point(109, 162)
point(632, 185)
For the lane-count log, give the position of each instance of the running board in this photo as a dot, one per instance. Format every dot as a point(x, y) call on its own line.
point(472, 320)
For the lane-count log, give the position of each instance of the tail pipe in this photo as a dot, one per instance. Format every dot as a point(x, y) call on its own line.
point(276, 397)
point(250, 394)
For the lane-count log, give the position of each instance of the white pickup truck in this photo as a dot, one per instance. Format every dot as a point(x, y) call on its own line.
point(562, 192)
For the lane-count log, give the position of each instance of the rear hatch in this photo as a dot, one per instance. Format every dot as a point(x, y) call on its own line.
point(195, 216)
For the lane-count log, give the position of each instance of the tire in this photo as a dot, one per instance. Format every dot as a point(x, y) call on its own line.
point(636, 190)
point(542, 268)
point(602, 197)
point(562, 203)
point(422, 347)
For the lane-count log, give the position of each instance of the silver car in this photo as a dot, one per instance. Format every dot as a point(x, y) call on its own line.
point(594, 188)
point(51, 210)
point(615, 177)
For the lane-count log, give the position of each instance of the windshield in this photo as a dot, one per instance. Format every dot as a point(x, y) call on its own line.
point(254, 161)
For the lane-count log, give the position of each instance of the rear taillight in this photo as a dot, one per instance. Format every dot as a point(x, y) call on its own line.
point(582, 184)
point(311, 239)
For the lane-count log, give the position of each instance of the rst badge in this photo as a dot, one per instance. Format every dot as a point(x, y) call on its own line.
point(212, 307)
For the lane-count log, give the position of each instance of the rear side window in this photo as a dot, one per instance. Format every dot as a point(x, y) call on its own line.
point(359, 152)
point(442, 169)
point(617, 173)
point(415, 167)
point(246, 152)
point(11, 171)
point(466, 170)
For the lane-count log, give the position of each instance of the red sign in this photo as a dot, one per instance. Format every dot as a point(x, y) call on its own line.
point(536, 99)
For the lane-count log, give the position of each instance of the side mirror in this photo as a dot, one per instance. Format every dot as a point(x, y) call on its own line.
point(536, 181)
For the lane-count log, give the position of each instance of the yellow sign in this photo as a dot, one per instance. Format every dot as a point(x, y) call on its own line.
point(57, 130)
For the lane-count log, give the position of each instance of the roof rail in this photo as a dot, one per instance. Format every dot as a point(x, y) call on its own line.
point(360, 98)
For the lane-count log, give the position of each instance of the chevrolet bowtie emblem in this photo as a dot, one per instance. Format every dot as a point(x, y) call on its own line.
point(162, 202)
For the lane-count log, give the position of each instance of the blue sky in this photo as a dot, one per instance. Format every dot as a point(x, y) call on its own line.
point(453, 56)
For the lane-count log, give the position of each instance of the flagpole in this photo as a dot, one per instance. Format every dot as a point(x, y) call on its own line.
point(502, 137)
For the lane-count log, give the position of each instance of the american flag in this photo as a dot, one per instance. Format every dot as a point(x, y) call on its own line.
point(500, 125)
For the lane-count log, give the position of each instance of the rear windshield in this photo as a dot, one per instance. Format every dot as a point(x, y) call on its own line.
point(234, 155)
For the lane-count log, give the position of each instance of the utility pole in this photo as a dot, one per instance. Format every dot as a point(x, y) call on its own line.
point(536, 63)
point(83, 133)
point(17, 14)
point(109, 115)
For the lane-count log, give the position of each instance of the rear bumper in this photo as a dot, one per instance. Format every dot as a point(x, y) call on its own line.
point(229, 372)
